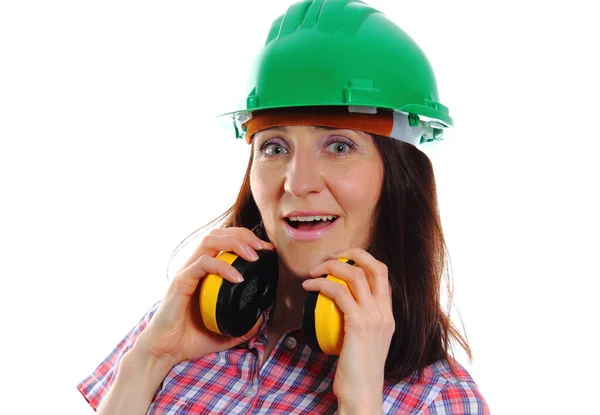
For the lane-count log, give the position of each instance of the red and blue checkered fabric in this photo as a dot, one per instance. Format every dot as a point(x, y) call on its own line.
point(294, 380)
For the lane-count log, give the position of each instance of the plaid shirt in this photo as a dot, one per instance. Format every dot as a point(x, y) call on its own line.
point(294, 380)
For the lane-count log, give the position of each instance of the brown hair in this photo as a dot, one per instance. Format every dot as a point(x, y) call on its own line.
point(408, 238)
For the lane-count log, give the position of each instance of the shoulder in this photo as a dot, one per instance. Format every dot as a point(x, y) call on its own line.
point(459, 393)
point(444, 387)
point(95, 386)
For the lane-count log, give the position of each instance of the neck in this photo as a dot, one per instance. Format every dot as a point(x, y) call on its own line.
point(289, 299)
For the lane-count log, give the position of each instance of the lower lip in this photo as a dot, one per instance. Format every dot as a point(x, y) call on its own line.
point(307, 235)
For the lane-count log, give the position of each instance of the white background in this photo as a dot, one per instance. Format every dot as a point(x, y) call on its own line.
point(110, 155)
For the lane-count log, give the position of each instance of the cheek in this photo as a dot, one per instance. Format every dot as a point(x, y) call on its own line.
point(264, 190)
point(357, 190)
point(257, 186)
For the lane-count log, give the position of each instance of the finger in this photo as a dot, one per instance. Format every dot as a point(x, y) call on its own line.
point(231, 243)
point(186, 281)
point(337, 292)
point(376, 271)
point(214, 242)
point(246, 235)
point(353, 275)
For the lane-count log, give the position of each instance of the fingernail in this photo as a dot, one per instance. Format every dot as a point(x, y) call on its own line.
point(336, 253)
point(236, 275)
point(258, 244)
point(251, 253)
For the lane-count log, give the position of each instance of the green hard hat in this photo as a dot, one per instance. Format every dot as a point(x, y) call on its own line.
point(346, 53)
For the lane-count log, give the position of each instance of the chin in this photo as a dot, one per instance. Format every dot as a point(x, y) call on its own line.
point(299, 267)
point(299, 262)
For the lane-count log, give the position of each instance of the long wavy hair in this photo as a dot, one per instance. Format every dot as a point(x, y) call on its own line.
point(408, 238)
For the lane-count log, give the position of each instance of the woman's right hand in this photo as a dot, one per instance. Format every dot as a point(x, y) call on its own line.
point(176, 330)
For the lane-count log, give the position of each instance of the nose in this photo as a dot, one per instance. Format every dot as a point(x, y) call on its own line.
point(303, 175)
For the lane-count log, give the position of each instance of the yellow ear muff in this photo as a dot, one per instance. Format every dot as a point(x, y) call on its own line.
point(329, 322)
point(209, 293)
point(233, 309)
point(323, 321)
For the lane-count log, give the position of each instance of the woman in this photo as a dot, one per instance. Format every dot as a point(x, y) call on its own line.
point(342, 98)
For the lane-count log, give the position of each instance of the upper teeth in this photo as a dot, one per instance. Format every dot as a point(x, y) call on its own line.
point(310, 218)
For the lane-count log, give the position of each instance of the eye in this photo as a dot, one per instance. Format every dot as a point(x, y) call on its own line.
point(339, 146)
point(272, 148)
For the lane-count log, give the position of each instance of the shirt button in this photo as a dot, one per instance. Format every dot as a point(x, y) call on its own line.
point(290, 342)
point(251, 391)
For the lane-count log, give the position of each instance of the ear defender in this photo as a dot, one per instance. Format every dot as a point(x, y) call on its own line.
point(323, 321)
point(233, 309)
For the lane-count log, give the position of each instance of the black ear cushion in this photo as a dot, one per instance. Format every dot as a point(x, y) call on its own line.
point(240, 305)
point(308, 320)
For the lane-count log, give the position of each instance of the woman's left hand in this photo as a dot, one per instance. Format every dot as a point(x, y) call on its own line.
point(368, 325)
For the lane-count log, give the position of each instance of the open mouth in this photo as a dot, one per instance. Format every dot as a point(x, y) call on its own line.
point(310, 222)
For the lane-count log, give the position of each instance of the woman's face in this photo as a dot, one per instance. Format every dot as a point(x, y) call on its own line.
point(300, 172)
